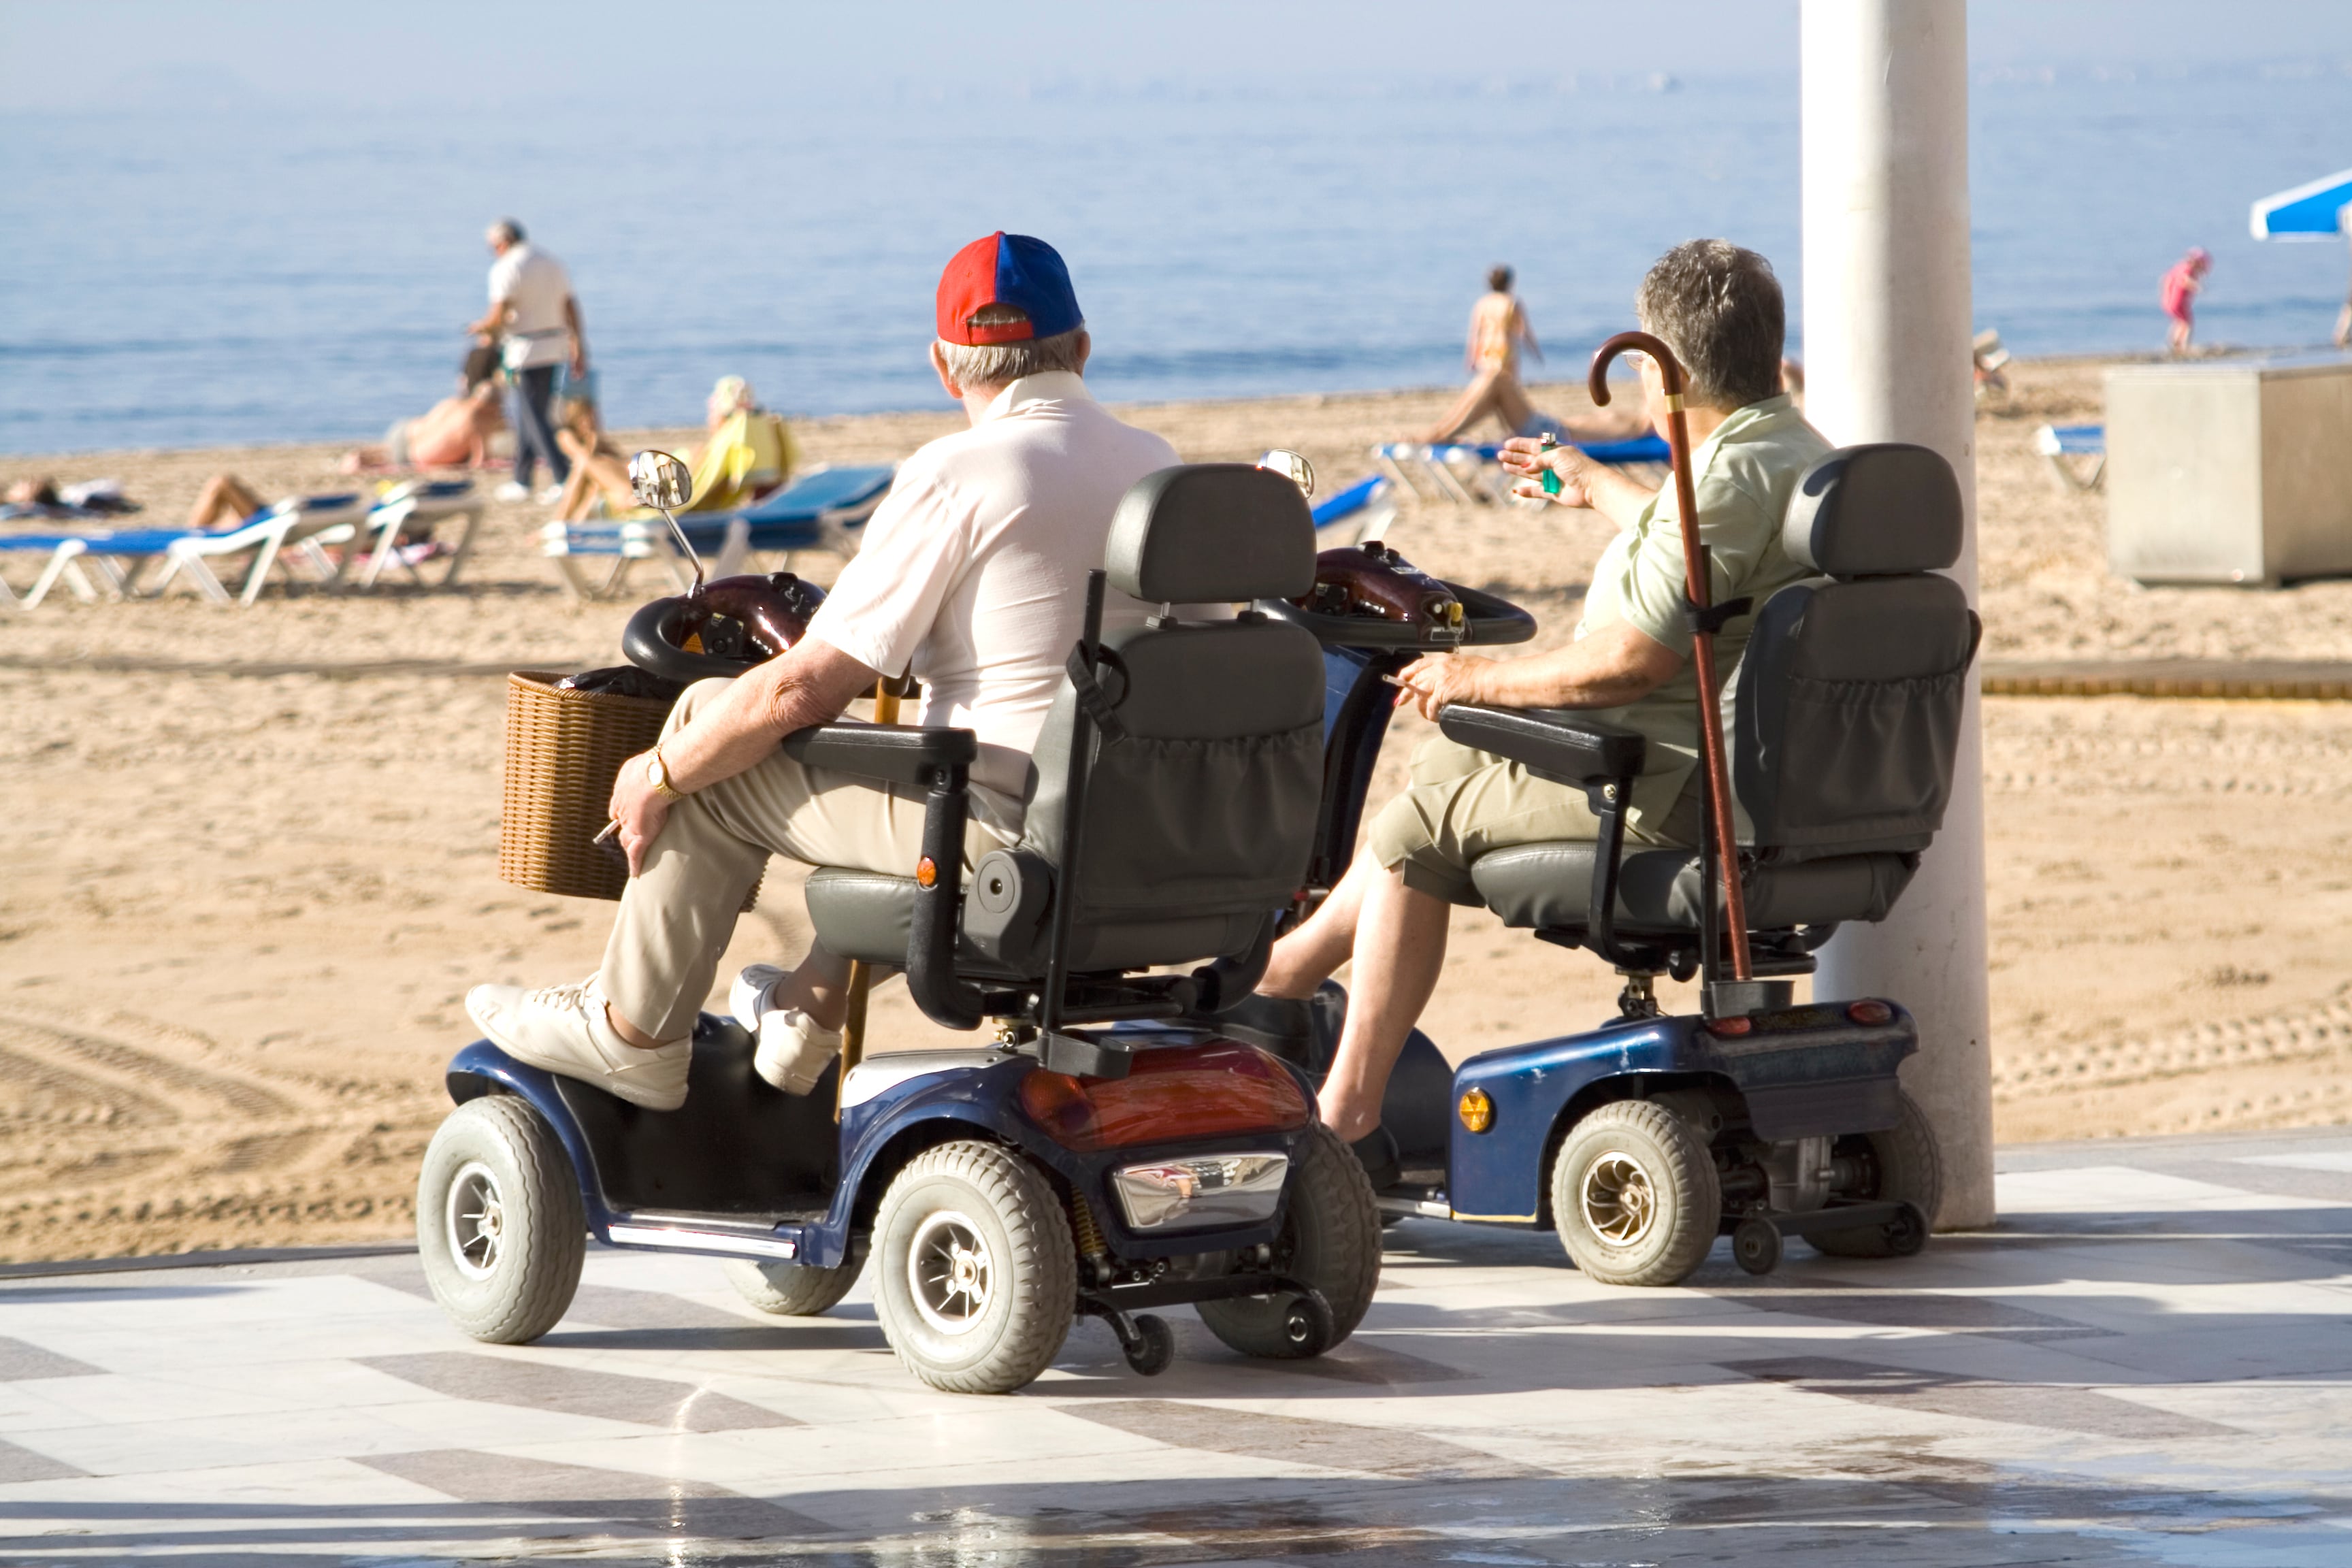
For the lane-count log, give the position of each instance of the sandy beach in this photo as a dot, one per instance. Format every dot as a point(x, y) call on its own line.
point(239, 911)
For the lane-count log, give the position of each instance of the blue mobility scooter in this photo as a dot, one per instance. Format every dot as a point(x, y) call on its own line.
point(1100, 1155)
point(1641, 1141)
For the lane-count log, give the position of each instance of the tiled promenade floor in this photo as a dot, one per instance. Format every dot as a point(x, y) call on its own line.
point(2150, 1361)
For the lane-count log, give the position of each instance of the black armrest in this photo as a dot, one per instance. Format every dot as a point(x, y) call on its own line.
point(1555, 743)
point(907, 755)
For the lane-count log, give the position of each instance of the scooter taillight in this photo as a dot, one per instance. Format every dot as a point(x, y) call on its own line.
point(1178, 1091)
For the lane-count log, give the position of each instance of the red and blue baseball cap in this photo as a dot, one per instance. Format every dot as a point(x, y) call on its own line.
point(1007, 270)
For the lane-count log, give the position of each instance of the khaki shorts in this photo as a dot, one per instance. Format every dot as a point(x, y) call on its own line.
point(1462, 804)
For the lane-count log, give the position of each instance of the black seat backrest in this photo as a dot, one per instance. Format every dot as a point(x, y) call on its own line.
point(1205, 785)
point(1851, 691)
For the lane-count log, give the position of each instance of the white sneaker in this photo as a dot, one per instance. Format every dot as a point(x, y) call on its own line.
point(793, 1050)
point(510, 491)
point(550, 495)
point(562, 1028)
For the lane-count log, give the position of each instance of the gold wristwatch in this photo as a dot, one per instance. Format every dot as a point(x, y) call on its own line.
point(657, 776)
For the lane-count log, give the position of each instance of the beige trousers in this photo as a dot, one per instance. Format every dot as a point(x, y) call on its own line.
point(679, 914)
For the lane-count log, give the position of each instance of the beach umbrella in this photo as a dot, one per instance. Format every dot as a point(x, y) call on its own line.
point(2320, 210)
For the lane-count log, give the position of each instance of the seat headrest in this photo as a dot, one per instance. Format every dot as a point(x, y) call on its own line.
point(1869, 512)
point(1212, 533)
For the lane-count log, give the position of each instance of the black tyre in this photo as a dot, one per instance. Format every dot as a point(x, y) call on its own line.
point(499, 1224)
point(791, 1289)
point(1905, 1167)
point(1634, 1194)
point(1330, 1240)
point(975, 1276)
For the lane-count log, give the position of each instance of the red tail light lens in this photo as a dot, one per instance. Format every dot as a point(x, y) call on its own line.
point(1731, 1027)
point(1181, 1091)
point(1869, 1011)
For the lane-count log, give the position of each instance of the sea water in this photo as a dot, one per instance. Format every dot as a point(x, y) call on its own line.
point(260, 276)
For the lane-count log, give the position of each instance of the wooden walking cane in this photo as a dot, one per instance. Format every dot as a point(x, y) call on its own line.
point(861, 974)
point(1697, 588)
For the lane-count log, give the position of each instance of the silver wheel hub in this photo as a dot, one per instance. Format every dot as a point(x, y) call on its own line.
point(475, 1221)
point(950, 1272)
point(1619, 1199)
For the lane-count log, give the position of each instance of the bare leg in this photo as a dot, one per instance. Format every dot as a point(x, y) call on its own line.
point(226, 498)
point(577, 486)
point(1305, 958)
point(2343, 325)
point(1400, 954)
point(1478, 399)
point(819, 987)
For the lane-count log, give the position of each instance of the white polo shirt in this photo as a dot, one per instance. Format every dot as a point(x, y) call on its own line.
point(973, 572)
point(536, 285)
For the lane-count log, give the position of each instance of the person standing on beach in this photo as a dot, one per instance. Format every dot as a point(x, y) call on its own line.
point(2180, 287)
point(533, 315)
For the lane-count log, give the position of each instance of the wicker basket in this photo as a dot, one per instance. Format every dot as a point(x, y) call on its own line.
point(563, 749)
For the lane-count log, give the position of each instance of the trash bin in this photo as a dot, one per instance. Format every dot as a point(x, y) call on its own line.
point(2230, 470)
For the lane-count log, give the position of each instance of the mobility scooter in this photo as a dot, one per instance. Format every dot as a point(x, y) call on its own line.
point(1099, 1154)
point(1641, 1141)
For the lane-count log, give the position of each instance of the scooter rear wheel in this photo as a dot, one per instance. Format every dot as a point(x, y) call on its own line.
point(499, 1224)
point(791, 1289)
point(1634, 1194)
point(975, 1275)
point(1330, 1240)
point(1910, 1168)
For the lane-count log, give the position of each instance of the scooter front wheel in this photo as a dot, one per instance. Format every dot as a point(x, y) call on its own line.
point(499, 1224)
point(791, 1289)
point(1634, 1194)
point(975, 1275)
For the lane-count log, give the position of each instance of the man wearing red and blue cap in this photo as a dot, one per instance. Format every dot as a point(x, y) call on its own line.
point(972, 576)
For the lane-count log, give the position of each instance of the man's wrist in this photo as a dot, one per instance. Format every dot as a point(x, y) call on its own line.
point(657, 776)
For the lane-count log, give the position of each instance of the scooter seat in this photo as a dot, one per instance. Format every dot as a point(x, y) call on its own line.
point(1549, 886)
point(867, 916)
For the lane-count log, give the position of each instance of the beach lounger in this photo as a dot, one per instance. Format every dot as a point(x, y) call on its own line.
point(1361, 512)
point(1468, 472)
point(120, 558)
point(414, 505)
point(819, 509)
point(2066, 446)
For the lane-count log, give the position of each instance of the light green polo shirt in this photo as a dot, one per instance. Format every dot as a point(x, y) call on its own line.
point(1743, 476)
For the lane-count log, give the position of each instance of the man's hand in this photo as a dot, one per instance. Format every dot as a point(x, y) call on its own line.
point(1525, 455)
point(1437, 680)
point(638, 808)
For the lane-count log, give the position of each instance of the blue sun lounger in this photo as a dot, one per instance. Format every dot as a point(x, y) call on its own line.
point(1361, 512)
point(1467, 471)
point(120, 557)
point(819, 509)
point(2065, 446)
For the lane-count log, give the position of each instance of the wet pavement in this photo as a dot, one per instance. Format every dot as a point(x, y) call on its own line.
point(2149, 1360)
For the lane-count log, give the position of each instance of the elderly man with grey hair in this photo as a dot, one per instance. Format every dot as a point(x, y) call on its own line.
point(1718, 307)
point(972, 577)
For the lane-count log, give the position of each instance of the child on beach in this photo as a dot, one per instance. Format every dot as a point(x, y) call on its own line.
point(2181, 288)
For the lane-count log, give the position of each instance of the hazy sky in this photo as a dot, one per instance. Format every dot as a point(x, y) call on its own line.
point(162, 54)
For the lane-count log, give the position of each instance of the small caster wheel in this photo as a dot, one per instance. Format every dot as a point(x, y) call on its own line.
point(1307, 1324)
point(1908, 1232)
point(1153, 1349)
point(1755, 1246)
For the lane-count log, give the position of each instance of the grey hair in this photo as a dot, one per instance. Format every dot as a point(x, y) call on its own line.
point(1718, 307)
point(1001, 365)
point(506, 228)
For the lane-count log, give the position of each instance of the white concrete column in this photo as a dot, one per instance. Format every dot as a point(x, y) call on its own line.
point(1886, 316)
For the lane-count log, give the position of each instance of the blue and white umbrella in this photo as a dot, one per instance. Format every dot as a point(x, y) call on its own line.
point(2320, 210)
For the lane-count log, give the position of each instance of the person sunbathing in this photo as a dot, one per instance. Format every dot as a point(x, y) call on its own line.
point(748, 454)
point(454, 433)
